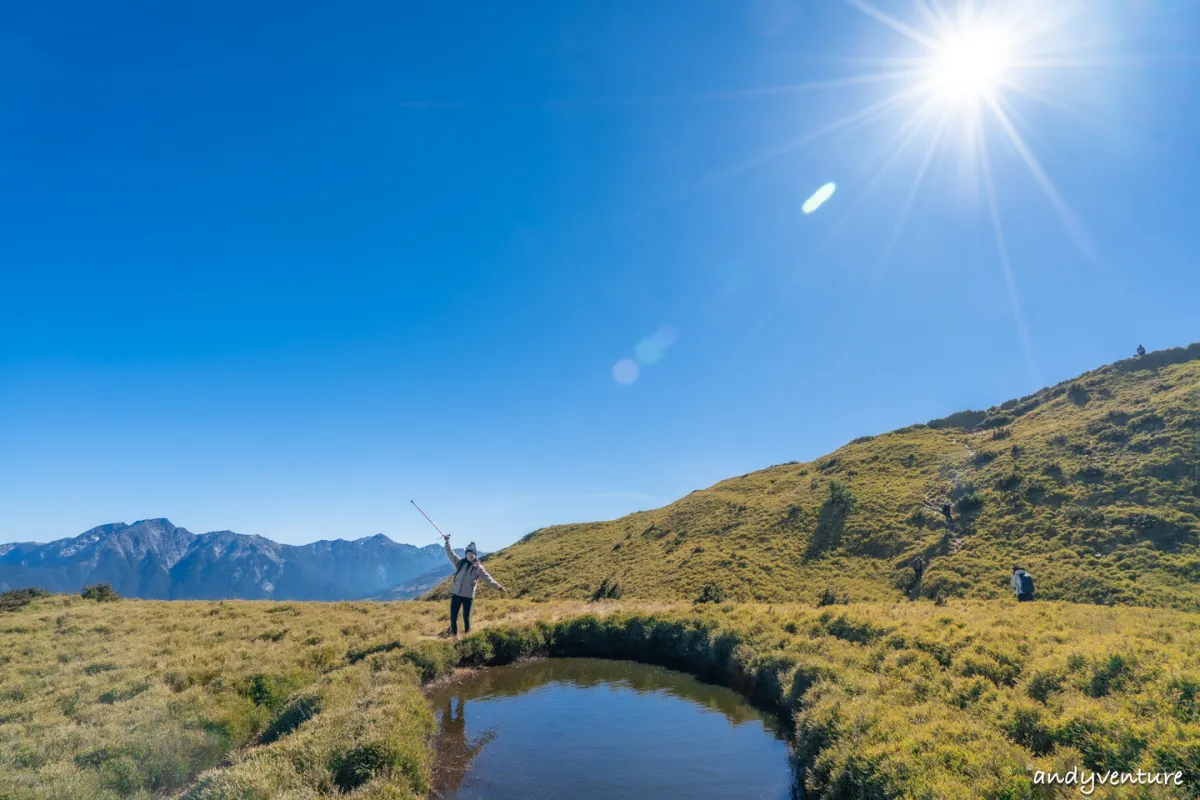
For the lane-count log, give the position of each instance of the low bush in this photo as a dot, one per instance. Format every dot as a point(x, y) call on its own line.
point(607, 590)
point(270, 691)
point(100, 592)
point(711, 593)
point(353, 767)
point(19, 598)
point(831, 598)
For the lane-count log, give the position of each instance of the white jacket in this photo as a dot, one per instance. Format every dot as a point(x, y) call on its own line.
point(467, 578)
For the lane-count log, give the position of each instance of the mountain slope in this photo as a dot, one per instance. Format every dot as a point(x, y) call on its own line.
point(1092, 485)
point(417, 586)
point(155, 559)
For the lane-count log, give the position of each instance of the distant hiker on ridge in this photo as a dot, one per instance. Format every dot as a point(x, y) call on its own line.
point(1141, 351)
point(467, 572)
point(918, 565)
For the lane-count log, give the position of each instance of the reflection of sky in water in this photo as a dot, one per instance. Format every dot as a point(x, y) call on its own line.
point(617, 730)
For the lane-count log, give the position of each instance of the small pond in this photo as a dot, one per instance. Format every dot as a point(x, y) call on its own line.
point(574, 727)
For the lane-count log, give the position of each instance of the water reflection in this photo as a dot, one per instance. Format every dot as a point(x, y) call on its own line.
point(603, 729)
point(455, 751)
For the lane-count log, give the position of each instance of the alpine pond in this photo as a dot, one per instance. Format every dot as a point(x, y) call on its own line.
point(602, 729)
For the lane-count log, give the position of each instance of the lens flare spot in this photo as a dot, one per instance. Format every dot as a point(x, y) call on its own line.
point(651, 349)
point(818, 199)
point(647, 352)
point(625, 371)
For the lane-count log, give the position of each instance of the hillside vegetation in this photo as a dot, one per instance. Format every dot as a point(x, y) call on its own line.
point(242, 700)
point(1092, 485)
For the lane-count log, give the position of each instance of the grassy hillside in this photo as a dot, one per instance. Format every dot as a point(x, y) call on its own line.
point(1092, 485)
point(249, 700)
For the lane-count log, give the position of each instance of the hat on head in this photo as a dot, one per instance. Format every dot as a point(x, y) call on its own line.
point(471, 548)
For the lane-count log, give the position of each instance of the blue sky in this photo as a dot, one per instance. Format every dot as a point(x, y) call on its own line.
point(280, 270)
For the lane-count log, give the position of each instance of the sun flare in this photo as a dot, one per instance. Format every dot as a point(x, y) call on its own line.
point(959, 84)
point(969, 63)
point(965, 67)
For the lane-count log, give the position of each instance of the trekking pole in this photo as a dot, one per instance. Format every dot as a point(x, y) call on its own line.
point(426, 516)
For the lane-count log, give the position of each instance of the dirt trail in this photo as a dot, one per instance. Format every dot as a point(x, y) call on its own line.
point(940, 493)
point(956, 480)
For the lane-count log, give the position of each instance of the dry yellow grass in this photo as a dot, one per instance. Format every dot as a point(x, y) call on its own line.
point(248, 700)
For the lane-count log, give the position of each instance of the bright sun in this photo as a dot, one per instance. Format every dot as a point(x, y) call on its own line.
point(954, 86)
point(969, 63)
point(972, 61)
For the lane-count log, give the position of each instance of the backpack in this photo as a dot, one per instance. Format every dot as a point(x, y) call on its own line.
point(1026, 581)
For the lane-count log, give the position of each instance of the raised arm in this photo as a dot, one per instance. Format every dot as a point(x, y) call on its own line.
point(489, 580)
point(450, 554)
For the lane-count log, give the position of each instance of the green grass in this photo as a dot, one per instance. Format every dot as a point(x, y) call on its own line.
point(148, 699)
point(1092, 485)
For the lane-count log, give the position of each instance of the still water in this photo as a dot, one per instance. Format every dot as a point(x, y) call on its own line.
point(587, 728)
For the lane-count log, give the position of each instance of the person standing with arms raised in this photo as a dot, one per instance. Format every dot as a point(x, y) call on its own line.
point(467, 573)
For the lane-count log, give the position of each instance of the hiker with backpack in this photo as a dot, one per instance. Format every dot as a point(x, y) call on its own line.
point(467, 573)
point(918, 565)
point(1022, 584)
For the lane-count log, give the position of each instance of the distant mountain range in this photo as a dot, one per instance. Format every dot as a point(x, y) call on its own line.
point(154, 559)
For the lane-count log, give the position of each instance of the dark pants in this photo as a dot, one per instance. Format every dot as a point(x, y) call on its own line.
point(457, 602)
point(1023, 597)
